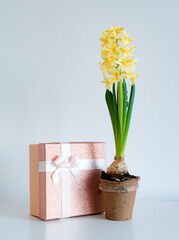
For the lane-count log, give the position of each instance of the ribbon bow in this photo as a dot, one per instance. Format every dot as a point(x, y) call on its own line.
point(63, 164)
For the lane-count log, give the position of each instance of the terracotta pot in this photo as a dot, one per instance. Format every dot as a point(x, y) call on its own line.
point(119, 198)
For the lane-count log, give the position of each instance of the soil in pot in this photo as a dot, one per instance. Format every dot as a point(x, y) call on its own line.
point(117, 177)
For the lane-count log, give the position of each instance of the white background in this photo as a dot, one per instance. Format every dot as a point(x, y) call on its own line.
point(51, 91)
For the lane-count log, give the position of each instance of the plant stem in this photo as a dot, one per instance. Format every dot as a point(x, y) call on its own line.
point(124, 105)
point(120, 102)
point(117, 123)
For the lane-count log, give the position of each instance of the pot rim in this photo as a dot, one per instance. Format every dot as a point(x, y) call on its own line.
point(119, 187)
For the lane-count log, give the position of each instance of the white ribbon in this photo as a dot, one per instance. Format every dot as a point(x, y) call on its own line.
point(61, 169)
point(60, 166)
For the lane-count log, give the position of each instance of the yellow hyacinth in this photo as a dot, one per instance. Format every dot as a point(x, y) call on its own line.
point(117, 54)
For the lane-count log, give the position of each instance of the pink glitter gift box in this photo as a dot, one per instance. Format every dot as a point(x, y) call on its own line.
point(64, 179)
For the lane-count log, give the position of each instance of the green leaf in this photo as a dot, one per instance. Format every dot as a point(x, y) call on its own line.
point(128, 119)
point(110, 104)
point(117, 123)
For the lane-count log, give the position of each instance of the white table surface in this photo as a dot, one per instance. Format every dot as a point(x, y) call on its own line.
point(151, 220)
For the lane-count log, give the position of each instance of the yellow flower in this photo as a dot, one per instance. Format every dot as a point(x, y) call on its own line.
point(131, 75)
point(106, 39)
point(127, 50)
point(115, 74)
point(114, 49)
point(110, 31)
point(125, 39)
point(124, 62)
point(105, 67)
point(109, 61)
point(115, 31)
point(105, 53)
point(107, 80)
point(117, 54)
